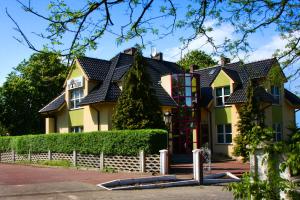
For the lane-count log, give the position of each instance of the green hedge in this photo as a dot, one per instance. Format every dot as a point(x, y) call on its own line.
point(124, 142)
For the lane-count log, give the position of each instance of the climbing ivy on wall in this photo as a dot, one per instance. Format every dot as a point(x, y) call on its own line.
point(252, 187)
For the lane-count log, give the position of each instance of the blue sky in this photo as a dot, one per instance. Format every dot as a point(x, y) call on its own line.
point(12, 53)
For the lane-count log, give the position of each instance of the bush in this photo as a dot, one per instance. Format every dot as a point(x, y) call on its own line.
point(123, 142)
point(5, 143)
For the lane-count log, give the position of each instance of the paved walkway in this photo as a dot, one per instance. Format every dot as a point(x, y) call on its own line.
point(13, 174)
point(235, 167)
point(35, 183)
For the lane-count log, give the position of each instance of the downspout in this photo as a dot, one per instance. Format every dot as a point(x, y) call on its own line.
point(55, 124)
point(210, 130)
point(98, 117)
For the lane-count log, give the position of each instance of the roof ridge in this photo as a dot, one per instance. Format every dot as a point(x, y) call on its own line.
point(261, 60)
point(109, 75)
point(93, 58)
point(201, 69)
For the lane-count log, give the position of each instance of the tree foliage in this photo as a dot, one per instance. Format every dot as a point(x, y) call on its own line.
point(198, 58)
point(87, 23)
point(137, 106)
point(32, 84)
point(250, 125)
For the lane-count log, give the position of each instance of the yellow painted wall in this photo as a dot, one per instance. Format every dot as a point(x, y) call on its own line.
point(288, 116)
point(166, 83)
point(90, 119)
point(50, 125)
point(62, 121)
point(222, 115)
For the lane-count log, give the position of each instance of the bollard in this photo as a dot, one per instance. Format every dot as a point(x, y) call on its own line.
point(164, 166)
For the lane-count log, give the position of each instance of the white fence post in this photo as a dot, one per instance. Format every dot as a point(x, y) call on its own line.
point(49, 155)
point(29, 156)
point(196, 164)
point(142, 161)
point(164, 166)
point(74, 158)
point(101, 164)
point(13, 155)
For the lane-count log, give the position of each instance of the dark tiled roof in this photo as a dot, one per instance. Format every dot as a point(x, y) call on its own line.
point(113, 92)
point(95, 69)
point(120, 64)
point(291, 97)
point(54, 104)
point(260, 69)
point(238, 96)
point(99, 94)
point(240, 73)
point(119, 72)
point(233, 74)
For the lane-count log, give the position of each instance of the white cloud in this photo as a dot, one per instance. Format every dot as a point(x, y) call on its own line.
point(219, 34)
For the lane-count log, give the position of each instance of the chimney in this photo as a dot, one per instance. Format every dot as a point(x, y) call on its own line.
point(224, 61)
point(192, 68)
point(157, 56)
point(130, 51)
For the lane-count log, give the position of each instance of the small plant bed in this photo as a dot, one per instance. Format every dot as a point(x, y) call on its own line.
point(52, 163)
point(147, 183)
point(166, 181)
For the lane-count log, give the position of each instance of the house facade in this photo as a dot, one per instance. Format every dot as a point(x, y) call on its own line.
point(93, 86)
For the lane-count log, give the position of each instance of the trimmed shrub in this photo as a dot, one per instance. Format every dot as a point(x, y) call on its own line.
point(123, 142)
point(5, 143)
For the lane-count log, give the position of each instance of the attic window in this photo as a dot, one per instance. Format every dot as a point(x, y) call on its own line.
point(212, 72)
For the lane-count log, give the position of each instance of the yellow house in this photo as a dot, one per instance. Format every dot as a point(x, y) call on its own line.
point(223, 90)
point(93, 86)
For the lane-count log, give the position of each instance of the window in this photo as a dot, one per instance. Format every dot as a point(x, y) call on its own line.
point(75, 97)
point(275, 91)
point(76, 129)
point(222, 95)
point(277, 132)
point(224, 133)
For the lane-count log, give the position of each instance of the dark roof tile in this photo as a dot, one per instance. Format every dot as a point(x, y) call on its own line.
point(95, 69)
point(291, 97)
point(54, 104)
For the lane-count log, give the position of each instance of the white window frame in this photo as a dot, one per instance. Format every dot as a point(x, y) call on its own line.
point(76, 129)
point(224, 133)
point(223, 96)
point(275, 96)
point(74, 99)
point(277, 129)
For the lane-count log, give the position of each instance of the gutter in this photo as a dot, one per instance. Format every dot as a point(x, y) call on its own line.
point(98, 116)
point(210, 129)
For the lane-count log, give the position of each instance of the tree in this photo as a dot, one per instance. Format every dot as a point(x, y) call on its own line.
point(87, 22)
point(32, 84)
point(198, 58)
point(250, 125)
point(137, 106)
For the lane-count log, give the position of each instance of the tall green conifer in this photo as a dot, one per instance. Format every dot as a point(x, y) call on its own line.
point(137, 107)
point(250, 116)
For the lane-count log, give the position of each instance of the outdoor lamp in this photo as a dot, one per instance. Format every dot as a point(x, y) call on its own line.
point(168, 118)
